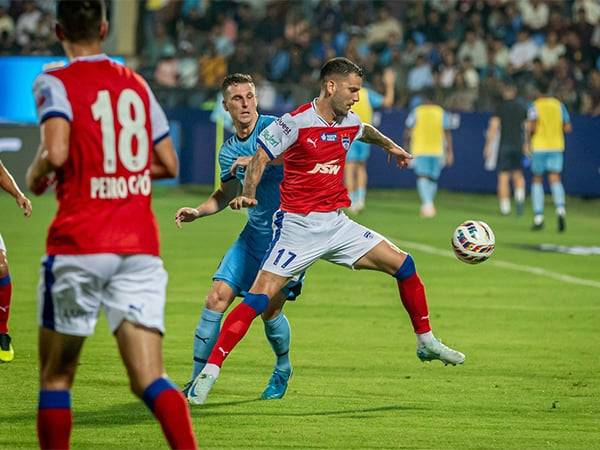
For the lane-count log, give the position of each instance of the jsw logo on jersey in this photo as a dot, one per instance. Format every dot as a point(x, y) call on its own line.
point(329, 167)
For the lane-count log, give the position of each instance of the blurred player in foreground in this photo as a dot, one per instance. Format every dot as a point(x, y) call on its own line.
point(358, 154)
point(310, 224)
point(241, 263)
point(7, 182)
point(548, 121)
point(429, 138)
point(104, 136)
point(507, 121)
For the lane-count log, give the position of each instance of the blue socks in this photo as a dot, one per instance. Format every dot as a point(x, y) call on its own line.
point(279, 335)
point(427, 189)
point(205, 336)
point(537, 198)
point(154, 389)
point(361, 194)
point(558, 196)
point(406, 270)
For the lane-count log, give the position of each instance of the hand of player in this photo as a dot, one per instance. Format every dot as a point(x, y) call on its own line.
point(24, 204)
point(44, 183)
point(402, 156)
point(242, 202)
point(242, 161)
point(449, 159)
point(186, 215)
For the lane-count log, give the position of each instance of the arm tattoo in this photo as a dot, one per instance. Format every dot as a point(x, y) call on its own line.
point(372, 135)
point(254, 173)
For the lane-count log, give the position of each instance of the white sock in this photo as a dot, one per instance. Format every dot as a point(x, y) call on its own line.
point(519, 195)
point(425, 338)
point(538, 219)
point(212, 369)
point(505, 206)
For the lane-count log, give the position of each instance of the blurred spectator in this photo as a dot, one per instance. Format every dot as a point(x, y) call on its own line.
point(500, 54)
point(27, 25)
point(420, 76)
point(165, 74)
point(551, 50)
point(386, 24)
point(591, 10)
point(522, 53)
point(447, 70)
point(7, 31)
point(535, 14)
point(160, 46)
point(591, 95)
point(470, 74)
point(213, 68)
point(473, 48)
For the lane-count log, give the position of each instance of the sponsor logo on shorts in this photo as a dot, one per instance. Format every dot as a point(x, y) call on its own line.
point(329, 168)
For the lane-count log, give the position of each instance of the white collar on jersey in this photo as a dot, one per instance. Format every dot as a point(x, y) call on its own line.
point(98, 57)
point(314, 106)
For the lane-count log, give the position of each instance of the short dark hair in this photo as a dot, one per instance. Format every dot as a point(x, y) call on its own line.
point(235, 78)
point(339, 66)
point(80, 20)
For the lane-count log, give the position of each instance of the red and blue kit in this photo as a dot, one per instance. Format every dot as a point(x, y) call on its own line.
point(104, 187)
point(314, 159)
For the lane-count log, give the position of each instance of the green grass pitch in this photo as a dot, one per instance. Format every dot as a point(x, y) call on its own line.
point(530, 333)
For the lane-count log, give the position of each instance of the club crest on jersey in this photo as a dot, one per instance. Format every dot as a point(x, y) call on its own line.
point(329, 137)
point(346, 142)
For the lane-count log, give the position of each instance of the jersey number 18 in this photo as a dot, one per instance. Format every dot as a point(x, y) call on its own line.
point(132, 125)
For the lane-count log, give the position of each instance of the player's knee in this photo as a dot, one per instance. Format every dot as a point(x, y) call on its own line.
point(258, 302)
point(218, 301)
point(62, 380)
point(407, 269)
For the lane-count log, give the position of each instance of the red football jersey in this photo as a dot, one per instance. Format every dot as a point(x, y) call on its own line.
point(104, 187)
point(314, 159)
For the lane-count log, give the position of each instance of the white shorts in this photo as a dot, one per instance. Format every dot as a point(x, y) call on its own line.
point(301, 239)
point(2, 246)
point(72, 289)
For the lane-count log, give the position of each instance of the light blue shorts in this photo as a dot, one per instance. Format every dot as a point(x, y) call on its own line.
point(428, 166)
point(544, 162)
point(241, 264)
point(358, 152)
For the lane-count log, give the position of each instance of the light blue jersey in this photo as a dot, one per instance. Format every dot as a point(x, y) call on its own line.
point(260, 218)
point(242, 261)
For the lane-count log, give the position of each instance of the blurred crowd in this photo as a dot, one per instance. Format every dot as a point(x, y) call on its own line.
point(462, 49)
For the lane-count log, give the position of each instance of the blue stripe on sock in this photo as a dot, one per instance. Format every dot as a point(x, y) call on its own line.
point(258, 302)
point(407, 269)
point(154, 389)
point(5, 280)
point(54, 400)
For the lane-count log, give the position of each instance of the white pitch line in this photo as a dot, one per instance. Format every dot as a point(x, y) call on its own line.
point(507, 265)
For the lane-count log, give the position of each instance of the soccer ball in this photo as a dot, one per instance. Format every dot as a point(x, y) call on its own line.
point(473, 241)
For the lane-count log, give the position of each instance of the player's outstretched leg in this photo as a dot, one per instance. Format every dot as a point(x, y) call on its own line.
point(234, 329)
point(279, 335)
point(387, 258)
point(412, 293)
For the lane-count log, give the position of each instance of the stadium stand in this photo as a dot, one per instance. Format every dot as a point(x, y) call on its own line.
point(461, 48)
